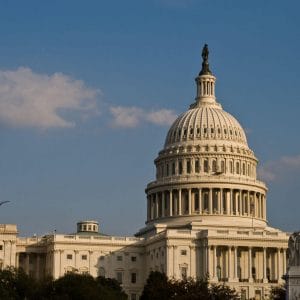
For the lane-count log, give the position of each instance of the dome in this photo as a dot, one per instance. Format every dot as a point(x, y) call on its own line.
point(204, 123)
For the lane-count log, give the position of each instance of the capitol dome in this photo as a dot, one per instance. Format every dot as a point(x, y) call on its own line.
point(206, 171)
point(205, 123)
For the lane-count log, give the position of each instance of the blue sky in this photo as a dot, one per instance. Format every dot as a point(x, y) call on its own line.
point(88, 90)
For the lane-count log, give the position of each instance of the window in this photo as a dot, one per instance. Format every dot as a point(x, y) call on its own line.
point(237, 167)
point(84, 257)
point(214, 166)
point(119, 258)
point(84, 227)
point(167, 169)
point(197, 166)
point(188, 166)
point(206, 166)
point(222, 166)
point(133, 297)
point(173, 168)
point(119, 277)
point(180, 167)
point(101, 257)
point(90, 227)
point(69, 256)
point(1, 247)
point(183, 271)
point(231, 167)
point(133, 258)
point(183, 252)
point(133, 277)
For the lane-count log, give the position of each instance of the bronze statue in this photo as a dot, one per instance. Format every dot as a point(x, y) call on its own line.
point(205, 65)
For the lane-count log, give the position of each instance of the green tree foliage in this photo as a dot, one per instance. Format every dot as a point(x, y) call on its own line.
point(15, 284)
point(159, 287)
point(278, 293)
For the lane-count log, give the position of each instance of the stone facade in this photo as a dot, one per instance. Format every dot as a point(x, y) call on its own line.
point(206, 215)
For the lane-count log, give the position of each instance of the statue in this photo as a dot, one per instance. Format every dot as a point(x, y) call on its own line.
point(293, 274)
point(294, 249)
point(205, 53)
point(205, 66)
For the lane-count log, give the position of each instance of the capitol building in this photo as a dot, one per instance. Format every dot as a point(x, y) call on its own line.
point(206, 215)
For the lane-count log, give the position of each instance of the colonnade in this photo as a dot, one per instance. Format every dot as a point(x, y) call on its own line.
point(212, 201)
point(244, 264)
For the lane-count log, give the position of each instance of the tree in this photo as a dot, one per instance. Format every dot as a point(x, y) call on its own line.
point(278, 293)
point(222, 292)
point(157, 287)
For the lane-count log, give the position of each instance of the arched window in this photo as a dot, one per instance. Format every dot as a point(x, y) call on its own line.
point(173, 168)
point(237, 167)
point(231, 167)
point(180, 167)
point(244, 169)
point(205, 166)
point(214, 166)
point(197, 166)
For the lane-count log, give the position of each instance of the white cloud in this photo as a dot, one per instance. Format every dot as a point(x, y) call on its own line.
point(129, 117)
point(274, 170)
point(29, 99)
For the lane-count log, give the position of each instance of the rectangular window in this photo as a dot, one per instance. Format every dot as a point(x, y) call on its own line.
point(188, 166)
point(84, 257)
point(133, 297)
point(206, 166)
point(183, 252)
point(69, 256)
point(197, 166)
point(180, 167)
point(167, 169)
point(133, 277)
point(119, 258)
point(173, 168)
point(183, 271)
point(119, 277)
point(1, 247)
point(133, 258)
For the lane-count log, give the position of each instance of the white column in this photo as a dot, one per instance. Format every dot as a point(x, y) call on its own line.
point(192, 261)
point(171, 203)
point(236, 203)
point(214, 262)
point(229, 202)
point(250, 264)
point(163, 203)
point(284, 261)
point(279, 267)
point(175, 264)
point(241, 203)
point(265, 280)
point(210, 201)
point(90, 261)
point(179, 202)
point(248, 202)
point(220, 201)
point(190, 201)
point(200, 200)
point(235, 264)
point(229, 264)
point(169, 265)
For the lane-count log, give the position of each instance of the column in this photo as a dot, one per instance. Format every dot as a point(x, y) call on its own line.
point(265, 280)
point(200, 200)
point(76, 258)
point(236, 203)
point(190, 201)
point(235, 264)
point(38, 266)
point(151, 207)
point(175, 264)
point(179, 202)
point(61, 273)
point(241, 203)
point(90, 260)
point(214, 262)
point(176, 204)
point(169, 265)
point(284, 261)
point(229, 202)
point(250, 264)
point(17, 260)
point(192, 261)
point(171, 203)
point(156, 206)
point(249, 209)
point(210, 201)
point(229, 276)
point(163, 203)
point(220, 201)
point(27, 263)
point(279, 268)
